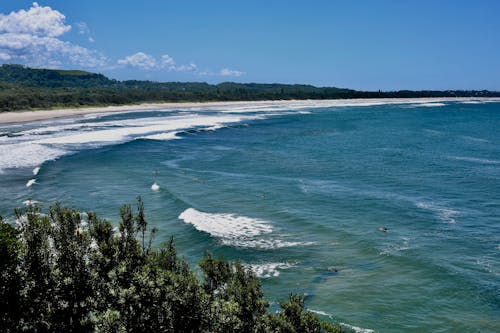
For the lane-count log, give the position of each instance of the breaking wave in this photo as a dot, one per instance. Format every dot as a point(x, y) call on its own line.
point(270, 269)
point(235, 230)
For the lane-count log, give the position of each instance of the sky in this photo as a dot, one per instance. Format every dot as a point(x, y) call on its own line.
point(365, 45)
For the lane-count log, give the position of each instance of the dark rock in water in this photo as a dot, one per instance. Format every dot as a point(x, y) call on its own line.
point(325, 274)
point(333, 270)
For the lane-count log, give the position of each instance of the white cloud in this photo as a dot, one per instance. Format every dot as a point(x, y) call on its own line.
point(32, 38)
point(37, 21)
point(222, 72)
point(186, 68)
point(167, 60)
point(145, 61)
point(139, 60)
point(230, 72)
point(83, 28)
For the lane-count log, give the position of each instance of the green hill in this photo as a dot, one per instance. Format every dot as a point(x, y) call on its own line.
point(23, 88)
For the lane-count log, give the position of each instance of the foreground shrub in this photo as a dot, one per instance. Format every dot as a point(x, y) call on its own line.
point(72, 272)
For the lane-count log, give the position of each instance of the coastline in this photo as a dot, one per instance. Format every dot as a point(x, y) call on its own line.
point(38, 115)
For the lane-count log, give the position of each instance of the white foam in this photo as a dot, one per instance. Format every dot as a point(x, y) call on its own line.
point(36, 170)
point(358, 329)
point(161, 136)
point(264, 243)
point(433, 132)
point(168, 124)
point(30, 202)
point(26, 154)
point(226, 226)
point(30, 182)
point(155, 187)
point(235, 230)
point(321, 313)
point(31, 144)
point(472, 102)
point(474, 139)
point(270, 269)
point(444, 213)
point(396, 249)
point(474, 159)
point(428, 105)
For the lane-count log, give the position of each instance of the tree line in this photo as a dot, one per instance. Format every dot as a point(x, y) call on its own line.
point(23, 88)
point(69, 272)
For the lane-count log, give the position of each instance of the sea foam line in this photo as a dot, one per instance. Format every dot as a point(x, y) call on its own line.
point(270, 269)
point(474, 159)
point(30, 182)
point(358, 329)
point(444, 213)
point(33, 147)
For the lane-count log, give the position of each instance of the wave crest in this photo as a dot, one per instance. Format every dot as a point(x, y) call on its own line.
point(235, 230)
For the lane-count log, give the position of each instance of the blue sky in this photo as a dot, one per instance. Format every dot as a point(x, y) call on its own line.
point(371, 45)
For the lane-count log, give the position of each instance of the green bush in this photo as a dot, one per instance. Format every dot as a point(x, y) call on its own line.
point(71, 272)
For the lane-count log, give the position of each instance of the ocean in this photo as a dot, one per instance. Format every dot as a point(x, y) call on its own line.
point(385, 215)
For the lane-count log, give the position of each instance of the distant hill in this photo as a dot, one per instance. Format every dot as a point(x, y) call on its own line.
point(52, 78)
point(23, 88)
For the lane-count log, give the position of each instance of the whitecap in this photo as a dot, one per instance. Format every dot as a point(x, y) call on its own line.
point(444, 213)
point(267, 244)
point(161, 136)
point(358, 329)
point(30, 202)
point(36, 170)
point(226, 226)
point(30, 182)
point(238, 231)
point(138, 128)
point(433, 132)
point(31, 147)
point(26, 154)
point(474, 159)
point(472, 102)
point(474, 139)
point(270, 269)
point(155, 187)
point(321, 313)
point(429, 105)
point(396, 249)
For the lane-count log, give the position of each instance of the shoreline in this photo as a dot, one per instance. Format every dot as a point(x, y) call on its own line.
point(39, 115)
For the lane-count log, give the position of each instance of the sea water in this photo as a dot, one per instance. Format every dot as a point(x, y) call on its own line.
point(385, 215)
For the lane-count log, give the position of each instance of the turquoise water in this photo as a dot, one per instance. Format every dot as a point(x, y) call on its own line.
point(385, 216)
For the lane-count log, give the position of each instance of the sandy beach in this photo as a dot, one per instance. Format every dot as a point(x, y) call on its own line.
point(27, 116)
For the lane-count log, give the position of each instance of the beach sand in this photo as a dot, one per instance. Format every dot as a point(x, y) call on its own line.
point(27, 116)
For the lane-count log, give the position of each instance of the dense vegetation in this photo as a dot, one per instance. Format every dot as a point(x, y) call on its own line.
point(71, 272)
point(23, 88)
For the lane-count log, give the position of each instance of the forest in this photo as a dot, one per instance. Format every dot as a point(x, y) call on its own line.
point(66, 271)
point(23, 88)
